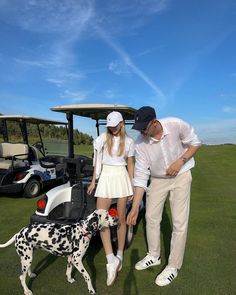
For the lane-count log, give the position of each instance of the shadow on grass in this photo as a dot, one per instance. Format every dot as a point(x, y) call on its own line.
point(94, 247)
point(130, 282)
point(42, 265)
point(11, 195)
point(166, 229)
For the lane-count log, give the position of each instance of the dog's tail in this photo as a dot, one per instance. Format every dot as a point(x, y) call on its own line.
point(12, 240)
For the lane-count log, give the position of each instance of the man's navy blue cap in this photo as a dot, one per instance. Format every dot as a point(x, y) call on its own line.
point(142, 117)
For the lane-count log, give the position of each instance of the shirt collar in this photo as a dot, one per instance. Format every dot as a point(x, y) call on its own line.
point(165, 132)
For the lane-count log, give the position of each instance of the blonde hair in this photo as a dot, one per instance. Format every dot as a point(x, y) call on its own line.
point(109, 141)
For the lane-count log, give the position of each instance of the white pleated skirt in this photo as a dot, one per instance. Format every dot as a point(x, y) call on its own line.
point(114, 182)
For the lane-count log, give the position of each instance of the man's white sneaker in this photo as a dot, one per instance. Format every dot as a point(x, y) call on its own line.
point(166, 276)
point(112, 269)
point(147, 261)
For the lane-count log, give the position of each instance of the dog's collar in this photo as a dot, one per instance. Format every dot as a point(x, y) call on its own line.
point(85, 233)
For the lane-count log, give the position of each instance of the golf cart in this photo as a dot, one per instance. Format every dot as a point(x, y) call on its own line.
point(26, 168)
point(70, 202)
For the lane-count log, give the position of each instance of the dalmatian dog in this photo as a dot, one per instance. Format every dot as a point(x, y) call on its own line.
point(71, 240)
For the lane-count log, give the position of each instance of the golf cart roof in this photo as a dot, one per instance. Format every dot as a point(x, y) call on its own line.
point(96, 111)
point(32, 120)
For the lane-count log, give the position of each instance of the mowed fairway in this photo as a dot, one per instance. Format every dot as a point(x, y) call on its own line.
point(210, 259)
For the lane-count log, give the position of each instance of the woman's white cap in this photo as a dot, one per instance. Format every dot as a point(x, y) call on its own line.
point(113, 119)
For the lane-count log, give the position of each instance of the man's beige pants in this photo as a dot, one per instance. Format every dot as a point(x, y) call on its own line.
point(179, 188)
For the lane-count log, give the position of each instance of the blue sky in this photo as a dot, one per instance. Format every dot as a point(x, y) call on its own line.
point(177, 56)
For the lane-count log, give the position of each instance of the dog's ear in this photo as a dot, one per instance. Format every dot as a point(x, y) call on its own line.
point(100, 220)
point(93, 224)
point(100, 211)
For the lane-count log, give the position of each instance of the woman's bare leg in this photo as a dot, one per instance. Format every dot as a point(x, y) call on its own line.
point(105, 203)
point(121, 230)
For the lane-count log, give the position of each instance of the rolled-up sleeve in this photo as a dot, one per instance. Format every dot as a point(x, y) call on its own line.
point(142, 169)
point(131, 151)
point(97, 159)
point(188, 135)
point(94, 152)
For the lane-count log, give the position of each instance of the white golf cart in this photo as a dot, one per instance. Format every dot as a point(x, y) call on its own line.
point(70, 202)
point(26, 168)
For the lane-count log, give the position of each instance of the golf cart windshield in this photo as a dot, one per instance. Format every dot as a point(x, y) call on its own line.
point(31, 131)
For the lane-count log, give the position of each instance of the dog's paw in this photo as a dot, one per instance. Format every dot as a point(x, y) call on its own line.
point(71, 280)
point(92, 291)
point(32, 275)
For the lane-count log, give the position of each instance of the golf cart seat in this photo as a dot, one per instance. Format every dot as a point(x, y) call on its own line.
point(79, 168)
point(33, 154)
point(13, 155)
point(51, 161)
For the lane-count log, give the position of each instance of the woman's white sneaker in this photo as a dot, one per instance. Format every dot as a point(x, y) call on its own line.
point(166, 276)
point(147, 261)
point(112, 269)
point(120, 268)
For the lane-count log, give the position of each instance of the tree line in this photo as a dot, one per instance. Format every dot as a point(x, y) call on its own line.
point(47, 131)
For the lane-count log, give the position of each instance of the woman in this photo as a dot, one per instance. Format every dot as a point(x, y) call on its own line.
point(114, 166)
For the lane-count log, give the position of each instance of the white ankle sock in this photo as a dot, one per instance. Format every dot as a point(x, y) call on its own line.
point(120, 255)
point(110, 258)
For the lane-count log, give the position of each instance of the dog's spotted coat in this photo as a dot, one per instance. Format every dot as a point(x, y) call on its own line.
point(61, 240)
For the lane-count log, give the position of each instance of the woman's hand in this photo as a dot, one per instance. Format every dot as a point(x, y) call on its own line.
point(91, 187)
point(130, 198)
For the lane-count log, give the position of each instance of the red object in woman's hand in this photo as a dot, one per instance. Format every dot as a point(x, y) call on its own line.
point(113, 212)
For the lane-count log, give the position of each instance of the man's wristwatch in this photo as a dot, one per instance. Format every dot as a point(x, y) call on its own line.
point(184, 159)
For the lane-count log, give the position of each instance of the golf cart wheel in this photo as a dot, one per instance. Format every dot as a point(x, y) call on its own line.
point(32, 188)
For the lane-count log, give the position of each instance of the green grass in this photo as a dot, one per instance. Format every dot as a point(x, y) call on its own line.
point(61, 148)
point(83, 149)
point(209, 264)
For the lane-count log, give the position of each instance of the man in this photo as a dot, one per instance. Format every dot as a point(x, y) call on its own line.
point(164, 154)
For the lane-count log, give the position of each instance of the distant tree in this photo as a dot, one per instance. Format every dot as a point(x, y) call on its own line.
point(48, 132)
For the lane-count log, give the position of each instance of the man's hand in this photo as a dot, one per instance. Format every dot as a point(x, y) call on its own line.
point(174, 168)
point(137, 199)
point(132, 216)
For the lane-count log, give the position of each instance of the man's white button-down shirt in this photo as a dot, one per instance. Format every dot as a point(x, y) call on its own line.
point(153, 157)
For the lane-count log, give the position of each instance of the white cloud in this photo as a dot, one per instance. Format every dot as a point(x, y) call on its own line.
point(229, 110)
point(74, 15)
point(217, 132)
point(149, 51)
point(228, 96)
point(57, 82)
point(67, 20)
point(126, 16)
point(129, 63)
point(75, 96)
point(189, 63)
point(47, 15)
point(58, 63)
point(30, 63)
point(110, 94)
point(118, 67)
